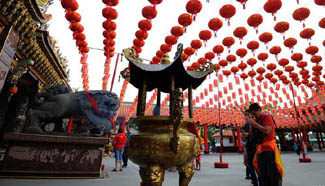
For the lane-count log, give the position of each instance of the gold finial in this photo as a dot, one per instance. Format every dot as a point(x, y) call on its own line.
point(165, 59)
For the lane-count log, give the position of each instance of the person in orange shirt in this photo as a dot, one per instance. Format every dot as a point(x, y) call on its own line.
point(118, 144)
point(267, 160)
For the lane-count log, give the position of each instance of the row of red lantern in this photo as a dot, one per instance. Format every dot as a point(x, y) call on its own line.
point(74, 18)
point(193, 7)
point(148, 109)
point(148, 12)
point(122, 93)
point(131, 110)
point(109, 34)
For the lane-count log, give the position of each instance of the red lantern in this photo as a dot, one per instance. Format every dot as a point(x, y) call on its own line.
point(226, 73)
point(218, 49)
point(202, 60)
point(111, 2)
point(272, 6)
point(283, 62)
point(196, 44)
point(177, 31)
point(109, 25)
point(290, 43)
point(70, 5)
point(227, 11)
point(243, 76)
point(184, 57)
point(215, 24)
point(109, 13)
point(242, 66)
point(316, 59)
point(145, 25)
point(253, 45)
point(109, 34)
point(205, 35)
point(301, 14)
point(302, 64)
point(322, 23)
point(271, 66)
point(283, 77)
point(209, 56)
point(159, 53)
point(307, 33)
point(231, 58)
point(262, 56)
point(223, 63)
point(273, 80)
point(312, 50)
point(251, 62)
point(72, 16)
point(260, 78)
point(260, 70)
point(76, 27)
point(297, 57)
point(265, 38)
point(171, 40)
point(137, 49)
point(156, 59)
point(228, 41)
point(275, 50)
point(149, 12)
point(243, 2)
point(320, 2)
point(240, 32)
point(282, 27)
point(190, 68)
point(193, 7)
point(241, 52)
point(217, 66)
point(268, 75)
point(234, 69)
point(138, 42)
point(185, 20)
point(141, 34)
point(155, 2)
point(252, 73)
point(189, 51)
point(278, 72)
point(289, 68)
point(195, 65)
point(165, 48)
point(255, 20)
point(80, 36)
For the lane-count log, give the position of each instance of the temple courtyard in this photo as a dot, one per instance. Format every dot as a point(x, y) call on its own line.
point(296, 174)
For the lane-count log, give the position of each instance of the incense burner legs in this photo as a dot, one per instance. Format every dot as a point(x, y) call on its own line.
point(185, 174)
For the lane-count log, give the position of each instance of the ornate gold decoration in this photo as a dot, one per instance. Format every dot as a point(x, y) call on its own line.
point(131, 55)
point(176, 117)
point(152, 175)
point(207, 66)
point(185, 174)
point(165, 59)
point(125, 73)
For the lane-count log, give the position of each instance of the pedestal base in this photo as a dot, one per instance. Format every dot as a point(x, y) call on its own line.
point(304, 160)
point(46, 156)
point(220, 165)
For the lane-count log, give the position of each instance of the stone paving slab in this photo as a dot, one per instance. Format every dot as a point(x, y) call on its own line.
point(297, 174)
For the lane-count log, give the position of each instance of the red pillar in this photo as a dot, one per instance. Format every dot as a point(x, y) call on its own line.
point(123, 126)
point(206, 145)
point(233, 137)
point(240, 147)
point(305, 137)
point(69, 129)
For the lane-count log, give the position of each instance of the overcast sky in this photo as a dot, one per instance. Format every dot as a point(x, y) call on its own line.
point(129, 14)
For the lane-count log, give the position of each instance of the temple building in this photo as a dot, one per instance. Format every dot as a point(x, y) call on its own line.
point(29, 59)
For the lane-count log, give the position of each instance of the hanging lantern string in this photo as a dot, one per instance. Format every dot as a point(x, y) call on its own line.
point(115, 52)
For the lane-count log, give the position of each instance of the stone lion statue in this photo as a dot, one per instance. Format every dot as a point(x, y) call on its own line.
point(78, 104)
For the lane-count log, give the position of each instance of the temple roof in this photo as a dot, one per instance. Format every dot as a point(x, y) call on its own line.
point(159, 76)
